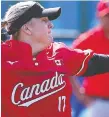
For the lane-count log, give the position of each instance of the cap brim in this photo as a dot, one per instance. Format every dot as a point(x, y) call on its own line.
point(52, 13)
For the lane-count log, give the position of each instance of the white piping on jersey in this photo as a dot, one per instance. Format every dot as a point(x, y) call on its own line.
point(83, 64)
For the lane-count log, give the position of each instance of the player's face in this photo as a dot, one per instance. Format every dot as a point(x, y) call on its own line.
point(41, 31)
point(105, 21)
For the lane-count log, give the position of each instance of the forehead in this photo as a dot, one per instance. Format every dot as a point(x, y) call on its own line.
point(33, 20)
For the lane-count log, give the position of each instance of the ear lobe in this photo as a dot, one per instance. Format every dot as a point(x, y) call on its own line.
point(26, 29)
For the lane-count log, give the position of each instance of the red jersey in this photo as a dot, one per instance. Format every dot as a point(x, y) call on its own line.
point(96, 40)
point(39, 86)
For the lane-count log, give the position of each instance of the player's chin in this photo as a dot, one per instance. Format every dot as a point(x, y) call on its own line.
point(50, 39)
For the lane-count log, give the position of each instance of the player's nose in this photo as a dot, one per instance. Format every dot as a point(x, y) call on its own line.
point(50, 25)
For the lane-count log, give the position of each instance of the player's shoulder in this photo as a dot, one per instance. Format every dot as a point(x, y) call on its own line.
point(59, 45)
point(5, 46)
point(65, 48)
point(91, 33)
point(61, 48)
point(5, 51)
point(88, 37)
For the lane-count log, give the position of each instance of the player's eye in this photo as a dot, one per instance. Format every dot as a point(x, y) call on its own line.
point(45, 20)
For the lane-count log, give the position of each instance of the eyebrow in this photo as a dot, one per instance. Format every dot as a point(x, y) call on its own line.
point(44, 18)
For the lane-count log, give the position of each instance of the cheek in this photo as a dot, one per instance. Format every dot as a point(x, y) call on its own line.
point(43, 32)
point(39, 31)
point(42, 35)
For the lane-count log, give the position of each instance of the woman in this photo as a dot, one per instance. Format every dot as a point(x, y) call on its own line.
point(37, 68)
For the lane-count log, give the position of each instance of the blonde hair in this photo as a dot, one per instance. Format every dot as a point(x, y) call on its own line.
point(14, 12)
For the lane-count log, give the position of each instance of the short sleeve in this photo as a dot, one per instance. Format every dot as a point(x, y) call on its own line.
point(76, 61)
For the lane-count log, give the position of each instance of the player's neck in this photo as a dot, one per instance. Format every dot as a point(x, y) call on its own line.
point(106, 33)
point(36, 48)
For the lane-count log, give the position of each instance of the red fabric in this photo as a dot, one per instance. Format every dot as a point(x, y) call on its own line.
point(38, 90)
point(95, 39)
point(102, 8)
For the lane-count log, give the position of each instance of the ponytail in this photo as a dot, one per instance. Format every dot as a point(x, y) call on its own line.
point(3, 24)
point(4, 34)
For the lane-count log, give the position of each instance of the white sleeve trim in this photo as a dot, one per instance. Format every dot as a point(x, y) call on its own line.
point(83, 64)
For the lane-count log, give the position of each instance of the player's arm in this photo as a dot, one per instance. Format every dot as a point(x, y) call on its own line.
point(79, 92)
point(88, 63)
point(85, 63)
point(98, 64)
point(84, 41)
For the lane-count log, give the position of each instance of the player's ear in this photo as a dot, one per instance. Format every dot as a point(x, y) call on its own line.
point(26, 29)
